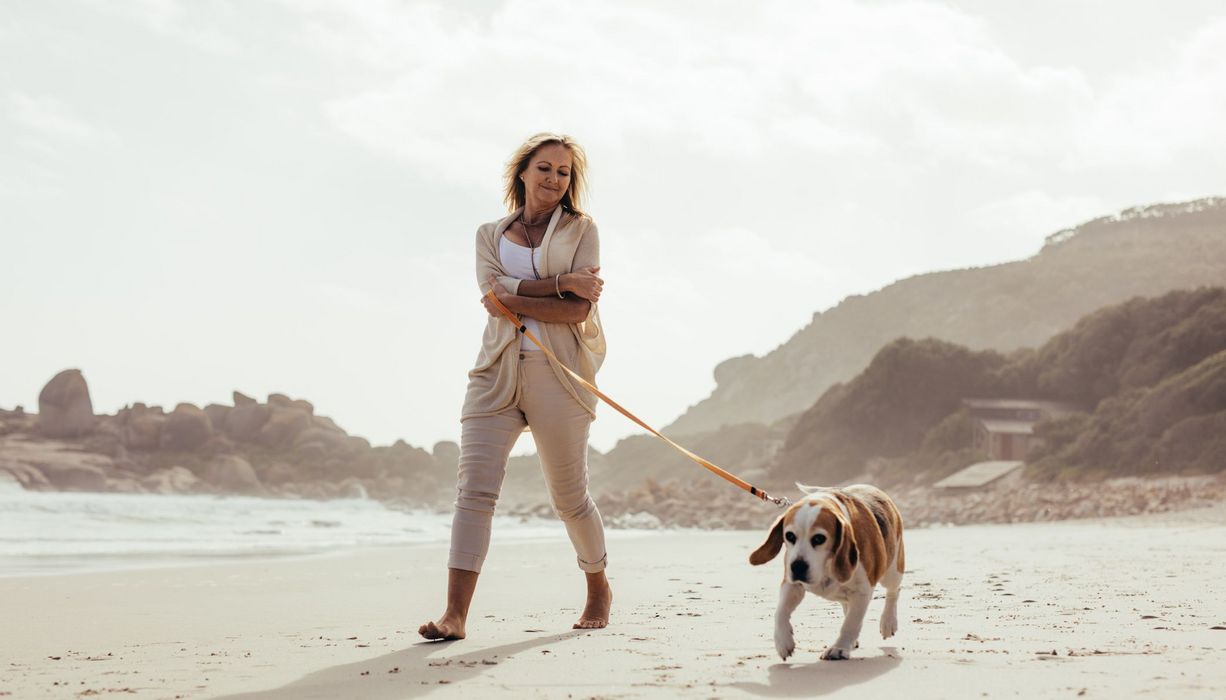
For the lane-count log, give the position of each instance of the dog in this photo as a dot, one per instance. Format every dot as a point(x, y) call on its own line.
point(841, 542)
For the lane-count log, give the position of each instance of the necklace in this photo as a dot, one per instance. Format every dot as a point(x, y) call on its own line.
point(523, 221)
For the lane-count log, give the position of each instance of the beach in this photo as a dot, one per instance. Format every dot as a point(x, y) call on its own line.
point(1122, 607)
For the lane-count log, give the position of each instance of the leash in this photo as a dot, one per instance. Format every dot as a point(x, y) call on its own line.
point(780, 501)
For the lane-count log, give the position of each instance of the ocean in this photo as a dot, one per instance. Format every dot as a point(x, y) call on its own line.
point(66, 532)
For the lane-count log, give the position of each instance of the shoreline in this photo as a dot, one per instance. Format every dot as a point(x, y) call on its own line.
point(1127, 606)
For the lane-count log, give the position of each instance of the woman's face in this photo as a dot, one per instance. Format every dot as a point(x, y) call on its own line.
point(547, 176)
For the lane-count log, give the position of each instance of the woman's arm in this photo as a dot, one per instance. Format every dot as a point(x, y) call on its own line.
point(583, 283)
point(546, 309)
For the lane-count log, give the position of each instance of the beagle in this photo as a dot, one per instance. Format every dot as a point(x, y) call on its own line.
point(840, 543)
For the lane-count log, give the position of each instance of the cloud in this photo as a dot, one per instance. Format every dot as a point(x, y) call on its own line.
point(55, 124)
point(1149, 117)
point(832, 78)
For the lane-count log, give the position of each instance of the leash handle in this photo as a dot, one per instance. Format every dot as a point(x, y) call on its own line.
point(780, 501)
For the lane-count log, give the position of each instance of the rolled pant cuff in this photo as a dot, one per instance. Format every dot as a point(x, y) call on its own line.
point(467, 562)
point(594, 567)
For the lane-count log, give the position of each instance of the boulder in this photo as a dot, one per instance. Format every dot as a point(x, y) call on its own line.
point(142, 429)
point(283, 425)
point(243, 422)
point(217, 415)
point(64, 406)
point(446, 455)
point(187, 428)
point(233, 474)
point(286, 402)
point(172, 480)
point(326, 422)
point(241, 399)
point(329, 440)
point(278, 473)
point(75, 471)
point(29, 477)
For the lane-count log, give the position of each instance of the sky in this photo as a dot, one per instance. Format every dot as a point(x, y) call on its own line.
point(202, 196)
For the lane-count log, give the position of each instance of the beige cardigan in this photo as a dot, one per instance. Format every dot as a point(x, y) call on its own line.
point(570, 243)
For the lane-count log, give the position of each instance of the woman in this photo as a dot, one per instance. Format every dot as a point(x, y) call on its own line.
point(542, 262)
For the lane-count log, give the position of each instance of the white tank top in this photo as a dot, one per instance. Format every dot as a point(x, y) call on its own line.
point(517, 261)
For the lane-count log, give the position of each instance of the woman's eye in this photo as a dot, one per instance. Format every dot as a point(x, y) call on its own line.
point(562, 174)
point(818, 540)
point(790, 537)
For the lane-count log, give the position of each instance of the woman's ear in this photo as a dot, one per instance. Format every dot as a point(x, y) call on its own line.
point(844, 547)
point(771, 546)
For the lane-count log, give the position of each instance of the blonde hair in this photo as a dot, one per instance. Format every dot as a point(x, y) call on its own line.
point(572, 201)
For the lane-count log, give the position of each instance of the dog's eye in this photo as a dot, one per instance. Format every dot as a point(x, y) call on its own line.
point(818, 540)
point(790, 537)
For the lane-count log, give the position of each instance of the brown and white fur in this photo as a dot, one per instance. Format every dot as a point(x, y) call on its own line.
point(841, 542)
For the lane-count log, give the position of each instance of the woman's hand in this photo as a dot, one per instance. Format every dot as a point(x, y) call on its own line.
point(584, 283)
point(500, 292)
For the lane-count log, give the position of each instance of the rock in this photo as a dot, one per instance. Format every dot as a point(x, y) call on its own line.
point(172, 480)
point(64, 406)
point(217, 415)
point(241, 399)
point(232, 474)
point(243, 422)
point(352, 488)
point(446, 455)
point(278, 400)
point(68, 470)
point(326, 422)
point(278, 473)
point(142, 428)
point(283, 425)
point(186, 428)
point(328, 440)
point(123, 484)
point(304, 405)
point(27, 476)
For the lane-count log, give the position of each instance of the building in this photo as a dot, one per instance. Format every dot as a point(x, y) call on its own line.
point(1004, 428)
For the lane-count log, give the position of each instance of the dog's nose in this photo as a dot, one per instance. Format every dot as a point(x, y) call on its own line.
point(800, 570)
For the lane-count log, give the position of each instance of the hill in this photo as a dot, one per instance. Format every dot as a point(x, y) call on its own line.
point(1144, 251)
point(1149, 374)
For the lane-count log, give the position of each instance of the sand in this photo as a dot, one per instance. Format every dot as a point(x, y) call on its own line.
point(1106, 608)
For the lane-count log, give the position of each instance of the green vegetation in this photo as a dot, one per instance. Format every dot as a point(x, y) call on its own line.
point(1150, 375)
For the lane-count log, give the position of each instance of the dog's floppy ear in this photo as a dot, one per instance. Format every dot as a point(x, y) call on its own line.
point(771, 546)
point(846, 556)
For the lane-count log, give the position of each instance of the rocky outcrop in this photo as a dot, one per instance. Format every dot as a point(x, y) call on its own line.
point(233, 474)
point(446, 456)
point(186, 428)
point(713, 504)
point(61, 467)
point(244, 421)
point(284, 424)
point(142, 426)
point(172, 480)
point(64, 406)
point(278, 448)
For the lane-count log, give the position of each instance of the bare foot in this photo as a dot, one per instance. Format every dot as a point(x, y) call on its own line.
point(599, 600)
point(447, 627)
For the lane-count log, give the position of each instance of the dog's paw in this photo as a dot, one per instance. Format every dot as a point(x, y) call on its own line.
point(785, 643)
point(889, 624)
point(836, 653)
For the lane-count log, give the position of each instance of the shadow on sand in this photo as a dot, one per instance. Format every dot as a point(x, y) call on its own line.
point(380, 683)
point(821, 677)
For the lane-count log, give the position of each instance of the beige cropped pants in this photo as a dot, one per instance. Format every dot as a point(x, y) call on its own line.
point(559, 426)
